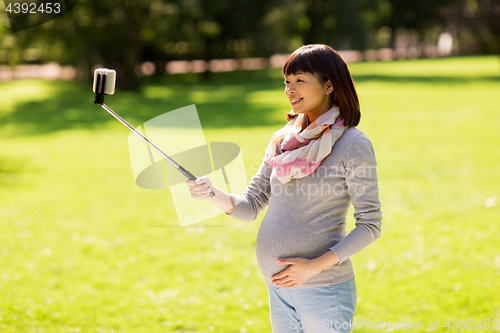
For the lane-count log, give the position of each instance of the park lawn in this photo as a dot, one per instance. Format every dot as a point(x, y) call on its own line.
point(83, 249)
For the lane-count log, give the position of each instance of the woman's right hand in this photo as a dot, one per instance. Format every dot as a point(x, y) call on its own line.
point(200, 188)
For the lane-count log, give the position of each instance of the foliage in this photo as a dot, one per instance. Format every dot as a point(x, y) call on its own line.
point(124, 33)
point(475, 24)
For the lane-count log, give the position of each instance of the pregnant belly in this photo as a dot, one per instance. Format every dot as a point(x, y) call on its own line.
point(293, 240)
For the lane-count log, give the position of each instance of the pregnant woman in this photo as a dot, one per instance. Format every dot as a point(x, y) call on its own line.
point(313, 169)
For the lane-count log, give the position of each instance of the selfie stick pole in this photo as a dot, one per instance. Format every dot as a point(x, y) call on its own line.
point(99, 100)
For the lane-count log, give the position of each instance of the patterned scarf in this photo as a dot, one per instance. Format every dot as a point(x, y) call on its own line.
point(304, 148)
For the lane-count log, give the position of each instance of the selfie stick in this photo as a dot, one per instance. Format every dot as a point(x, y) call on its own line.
point(104, 84)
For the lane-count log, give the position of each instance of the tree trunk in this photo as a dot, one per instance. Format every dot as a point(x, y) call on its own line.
point(131, 56)
point(315, 14)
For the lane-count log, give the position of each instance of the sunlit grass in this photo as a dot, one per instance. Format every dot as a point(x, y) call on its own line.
point(470, 67)
point(83, 249)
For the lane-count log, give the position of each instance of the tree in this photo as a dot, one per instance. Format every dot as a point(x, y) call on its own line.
point(479, 20)
point(341, 24)
point(123, 33)
point(475, 24)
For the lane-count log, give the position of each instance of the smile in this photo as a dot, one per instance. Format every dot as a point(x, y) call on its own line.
point(296, 101)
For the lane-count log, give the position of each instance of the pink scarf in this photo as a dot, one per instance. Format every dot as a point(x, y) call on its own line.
point(304, 148)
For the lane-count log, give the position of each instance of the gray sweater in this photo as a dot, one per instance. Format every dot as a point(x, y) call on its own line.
point(307, 217)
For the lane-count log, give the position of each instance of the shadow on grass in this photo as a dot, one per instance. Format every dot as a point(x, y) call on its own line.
point(223, 103)
point(11, 171)
point(426, 79)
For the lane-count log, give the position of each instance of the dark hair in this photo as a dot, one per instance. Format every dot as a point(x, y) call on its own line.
point(327, 64)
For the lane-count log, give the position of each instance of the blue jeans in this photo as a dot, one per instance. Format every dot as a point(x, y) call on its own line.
point(326, 309)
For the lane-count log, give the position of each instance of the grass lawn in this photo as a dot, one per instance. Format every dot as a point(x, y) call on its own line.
point(83, 249)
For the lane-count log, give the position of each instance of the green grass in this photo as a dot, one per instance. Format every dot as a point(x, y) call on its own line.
point(82, 249)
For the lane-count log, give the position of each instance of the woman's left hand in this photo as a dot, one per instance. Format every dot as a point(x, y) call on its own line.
point(299, 271)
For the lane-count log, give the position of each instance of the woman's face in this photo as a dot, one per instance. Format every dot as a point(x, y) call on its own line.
point(307, 95)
